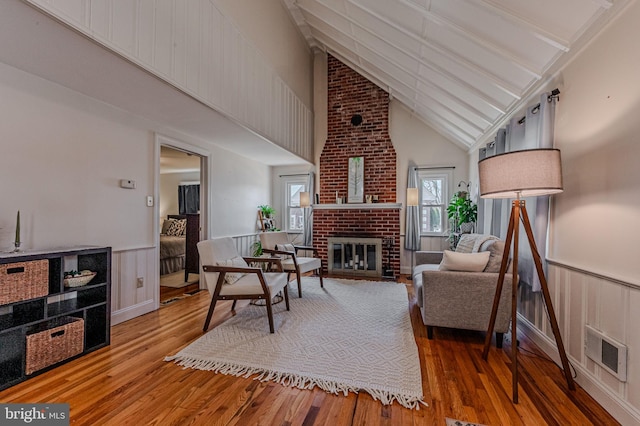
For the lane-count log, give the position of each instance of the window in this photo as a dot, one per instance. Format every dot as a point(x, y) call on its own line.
point(294, 214)
point(433, 197)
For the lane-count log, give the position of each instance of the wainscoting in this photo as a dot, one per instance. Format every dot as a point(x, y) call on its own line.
point(612, 306)
point(127, 300)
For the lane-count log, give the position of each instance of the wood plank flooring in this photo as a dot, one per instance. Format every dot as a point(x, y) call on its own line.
point(129, 383)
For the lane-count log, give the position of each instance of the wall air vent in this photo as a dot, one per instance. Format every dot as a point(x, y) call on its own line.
point(606, 352)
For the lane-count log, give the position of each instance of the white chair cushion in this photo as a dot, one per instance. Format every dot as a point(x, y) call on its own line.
point(270, 240)
point(305, 264)
point(250, 284)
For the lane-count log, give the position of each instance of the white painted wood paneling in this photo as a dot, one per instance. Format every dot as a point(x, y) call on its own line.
point(128, 301)
point(581, 298)
point(179, 45)
point(145, 32)
point(162, 46)
point(193, 46)
point(124, 18)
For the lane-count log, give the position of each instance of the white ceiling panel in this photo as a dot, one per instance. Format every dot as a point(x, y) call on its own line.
point(505, 35)
point(398, 13)
point(564, 18)
point(462, 66)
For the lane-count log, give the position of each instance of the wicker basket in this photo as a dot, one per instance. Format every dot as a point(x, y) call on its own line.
point(81, 280)
point(62, 338)
point(23, 281)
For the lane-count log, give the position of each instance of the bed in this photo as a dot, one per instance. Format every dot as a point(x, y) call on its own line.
point(172, 247)
point(178, 252)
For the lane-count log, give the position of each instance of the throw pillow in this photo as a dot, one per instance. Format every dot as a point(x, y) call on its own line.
point(465, 262)
point(232, 277)
point(495, 257)
point(166, 225)
point(286, 247)
point(177, 228)
point(466, 243)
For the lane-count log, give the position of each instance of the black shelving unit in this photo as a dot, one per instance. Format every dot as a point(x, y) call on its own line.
point(91, 303)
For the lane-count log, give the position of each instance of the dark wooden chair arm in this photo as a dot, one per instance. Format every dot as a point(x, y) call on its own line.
point(309, 248)
point(275, 260)
point(282, 252)
point(219, 268)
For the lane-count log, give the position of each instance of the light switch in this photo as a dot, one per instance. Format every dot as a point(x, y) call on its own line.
point(149, 200)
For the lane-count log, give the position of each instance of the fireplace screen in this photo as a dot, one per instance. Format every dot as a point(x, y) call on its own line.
point(355, 256)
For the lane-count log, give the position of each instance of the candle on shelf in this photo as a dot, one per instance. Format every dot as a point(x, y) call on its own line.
point(18, 228)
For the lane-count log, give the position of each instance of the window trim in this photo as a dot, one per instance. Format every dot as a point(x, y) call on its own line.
point(447, 177)
point(286, 182)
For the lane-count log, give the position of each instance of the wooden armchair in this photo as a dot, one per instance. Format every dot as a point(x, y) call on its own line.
point(228, 277)
point(277, 244)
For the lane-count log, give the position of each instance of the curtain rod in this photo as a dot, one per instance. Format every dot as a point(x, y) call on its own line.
point(432, 168)
point(555, 94)
point(298, 174)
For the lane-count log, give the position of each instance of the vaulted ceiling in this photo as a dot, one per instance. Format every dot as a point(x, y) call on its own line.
point(462, 66)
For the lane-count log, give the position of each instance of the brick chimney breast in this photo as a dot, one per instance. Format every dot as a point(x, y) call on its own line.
point(351, 95)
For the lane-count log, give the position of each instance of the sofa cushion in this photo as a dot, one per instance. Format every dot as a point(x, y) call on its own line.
point(417, 279)
point(465, 262)
point(495, 257)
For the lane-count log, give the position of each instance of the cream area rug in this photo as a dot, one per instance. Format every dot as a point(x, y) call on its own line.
point(454, 422)
point(350, 336)
point(176, 279)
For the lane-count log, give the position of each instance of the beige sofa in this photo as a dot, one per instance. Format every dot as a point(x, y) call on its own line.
point(461, 299)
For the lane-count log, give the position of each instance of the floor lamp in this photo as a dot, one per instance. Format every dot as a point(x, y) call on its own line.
point(412, 201)
point(517, 174)
point(305, 203)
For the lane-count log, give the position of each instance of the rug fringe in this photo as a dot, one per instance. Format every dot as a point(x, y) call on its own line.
point(296, 380)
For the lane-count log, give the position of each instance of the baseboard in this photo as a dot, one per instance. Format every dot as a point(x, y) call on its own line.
point(131, 312)
point(620, 409)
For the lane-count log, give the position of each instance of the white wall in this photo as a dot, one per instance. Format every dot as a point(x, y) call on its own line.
point(418, 144)
point(594, 273)
point(593, 220)
point(62, 156)
point(238, 186)
point(169, 182)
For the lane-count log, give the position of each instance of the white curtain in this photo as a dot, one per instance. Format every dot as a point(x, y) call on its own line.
point(534, 131)
point(308, 224)
point(412, 219)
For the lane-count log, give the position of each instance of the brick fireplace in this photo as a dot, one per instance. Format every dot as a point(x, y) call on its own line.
point(358, 126)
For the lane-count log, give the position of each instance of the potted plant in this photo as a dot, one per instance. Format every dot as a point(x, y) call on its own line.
point(462, 212)
point(267, 211)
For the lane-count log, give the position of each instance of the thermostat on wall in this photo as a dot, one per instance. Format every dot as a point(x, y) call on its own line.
point(126, 183)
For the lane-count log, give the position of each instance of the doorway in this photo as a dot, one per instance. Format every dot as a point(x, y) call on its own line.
point(181, 210)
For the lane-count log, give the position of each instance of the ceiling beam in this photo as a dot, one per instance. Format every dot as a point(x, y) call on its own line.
point(474, 37)
point(496, 80)
point(418, 78)
point(435, 68)
point(405, 98)
point(535, 30)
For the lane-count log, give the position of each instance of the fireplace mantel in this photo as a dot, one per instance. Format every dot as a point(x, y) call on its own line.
point(358, 206)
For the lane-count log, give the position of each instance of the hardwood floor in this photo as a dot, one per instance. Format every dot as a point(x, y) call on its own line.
point(129, 383)
point(168, 293)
